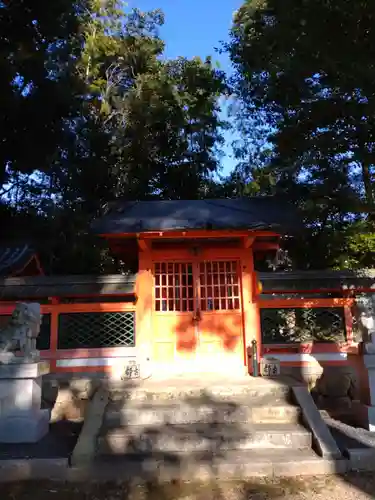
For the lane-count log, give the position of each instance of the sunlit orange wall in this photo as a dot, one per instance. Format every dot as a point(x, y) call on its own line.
point(158, 335)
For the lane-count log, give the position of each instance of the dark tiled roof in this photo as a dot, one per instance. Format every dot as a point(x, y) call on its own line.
point(65, 286)
point(318, 280)
point(262, 213)
point(14, 258)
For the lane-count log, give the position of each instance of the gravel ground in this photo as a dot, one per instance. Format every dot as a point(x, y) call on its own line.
point(359, 486)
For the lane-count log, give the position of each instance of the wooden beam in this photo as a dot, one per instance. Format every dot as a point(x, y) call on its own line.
point(194, 233)
point(305, 303)
point(143, 245)
point(266, 245)
point(248, 241)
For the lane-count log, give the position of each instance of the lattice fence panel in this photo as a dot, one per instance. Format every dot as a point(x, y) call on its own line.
point(44, 339)
point(299, 325)
point(96, 329)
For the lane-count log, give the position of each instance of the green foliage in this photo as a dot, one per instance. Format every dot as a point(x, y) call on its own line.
point(91, 111)
point(303, 325)
point(38, 43)
point(305, 70)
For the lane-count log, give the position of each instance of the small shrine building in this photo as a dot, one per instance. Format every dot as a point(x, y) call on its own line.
point(196, 288)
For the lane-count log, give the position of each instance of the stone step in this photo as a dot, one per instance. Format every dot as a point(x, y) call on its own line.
point(280, 414)
point(201, 437)
point(167, 390)
point(228, 465)
point(161, 413)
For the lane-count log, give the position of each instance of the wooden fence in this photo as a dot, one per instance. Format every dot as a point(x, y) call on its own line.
point(84, 337)
point(312, 316)
point(92, 322)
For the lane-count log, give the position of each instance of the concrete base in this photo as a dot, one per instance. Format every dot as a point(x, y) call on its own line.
point(24, 427)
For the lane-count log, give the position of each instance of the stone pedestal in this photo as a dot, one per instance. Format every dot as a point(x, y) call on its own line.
point(21, 418)
point(368, 409)
point(365, 306)
point(366, 368)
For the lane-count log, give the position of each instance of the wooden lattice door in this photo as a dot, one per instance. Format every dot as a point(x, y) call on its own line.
point(197, 312)
point(220, 311)
point(175, 330)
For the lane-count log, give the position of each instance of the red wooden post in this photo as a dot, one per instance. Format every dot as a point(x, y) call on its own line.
point(54, 337)
point(348, 324)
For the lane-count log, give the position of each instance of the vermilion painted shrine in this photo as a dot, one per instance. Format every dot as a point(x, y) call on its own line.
point(196, 302)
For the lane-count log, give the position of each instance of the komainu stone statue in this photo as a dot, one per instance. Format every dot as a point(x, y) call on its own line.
point(20, 334)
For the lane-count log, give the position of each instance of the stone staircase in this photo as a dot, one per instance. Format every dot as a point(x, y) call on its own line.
point(245, 427)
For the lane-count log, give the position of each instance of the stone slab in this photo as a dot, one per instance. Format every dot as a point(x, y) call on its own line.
point(19, 395)
point(369, 359)
point(325, 444)
point(365, 417)
point(202, 437)
point(239, 466)
point(351, 439)
point(85, 449)
point(168, 388)
point(34, 468)
point(357, 444)
point(190, 413)
point(310, 467)
point(24, 370)
point(361, 459)
point(369, 348)
point(58, 443)
point(230, 465)
point(370, 418)
point(184, 389)
point(24, 427)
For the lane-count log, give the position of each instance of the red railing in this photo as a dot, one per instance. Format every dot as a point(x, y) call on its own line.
point(59, 357)
point(56, 354)
point(347, 346)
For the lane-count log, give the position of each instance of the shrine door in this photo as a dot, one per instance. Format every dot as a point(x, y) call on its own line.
point(197, 314)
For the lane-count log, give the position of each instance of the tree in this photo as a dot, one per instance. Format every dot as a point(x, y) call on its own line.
point(38, 43)
point(134, 126)
point(317, 95)
point(190, 136)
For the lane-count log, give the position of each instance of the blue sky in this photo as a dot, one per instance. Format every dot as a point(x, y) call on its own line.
point(195, 28)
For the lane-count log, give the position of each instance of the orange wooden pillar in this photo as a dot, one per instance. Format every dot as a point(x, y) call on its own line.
point(251, 312)
point(144, 292)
